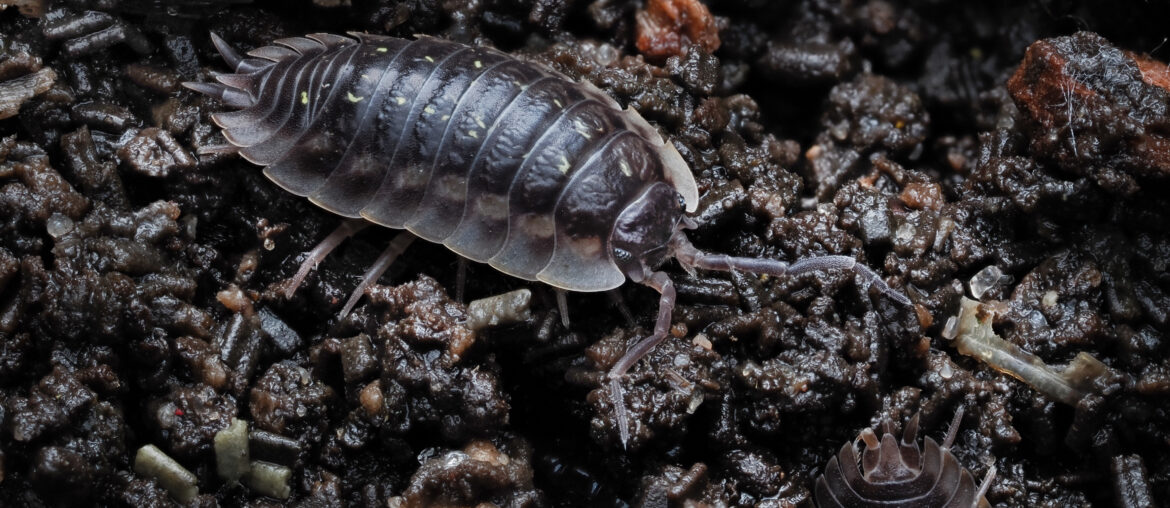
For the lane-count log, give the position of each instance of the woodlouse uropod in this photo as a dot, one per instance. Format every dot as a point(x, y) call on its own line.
point(504, 161)
point(900, 474)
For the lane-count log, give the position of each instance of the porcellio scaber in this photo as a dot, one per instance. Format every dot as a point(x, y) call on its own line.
point(900, 474)
point(503, 161)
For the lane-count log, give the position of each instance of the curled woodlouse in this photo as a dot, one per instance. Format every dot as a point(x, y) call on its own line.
point(900, 474)
point(504, 161)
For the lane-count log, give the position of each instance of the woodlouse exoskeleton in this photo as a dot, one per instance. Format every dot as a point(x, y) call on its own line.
point(900, 474)
point(503, 161)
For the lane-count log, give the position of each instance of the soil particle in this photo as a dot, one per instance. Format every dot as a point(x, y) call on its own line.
point(287, 400)
point(870, 114)
point(809, 63)
point(660, 400)
point(154, 152)
point(669, 27)
point(422, 380)
point(481, 472)
point(188, 418)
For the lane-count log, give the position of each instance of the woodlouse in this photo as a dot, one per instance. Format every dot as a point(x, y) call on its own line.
point(504, 161)
point(900, 474)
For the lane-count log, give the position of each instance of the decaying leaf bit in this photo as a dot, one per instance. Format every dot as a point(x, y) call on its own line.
point(16, 91)
point(973, 336)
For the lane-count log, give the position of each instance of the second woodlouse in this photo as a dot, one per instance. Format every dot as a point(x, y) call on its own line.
point(900, 474)
point(504, 161)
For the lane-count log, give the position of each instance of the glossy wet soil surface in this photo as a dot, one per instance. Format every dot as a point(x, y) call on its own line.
point(961, 149)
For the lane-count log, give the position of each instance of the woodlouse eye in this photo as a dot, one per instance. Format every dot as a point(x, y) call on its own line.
point(682, 202)
point(623, 255)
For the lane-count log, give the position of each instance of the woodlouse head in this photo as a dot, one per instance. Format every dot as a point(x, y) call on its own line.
point(899, 474)
point(642, 233)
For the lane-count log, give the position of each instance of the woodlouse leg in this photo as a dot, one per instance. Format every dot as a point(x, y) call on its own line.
point(662, 283)
point(615, 296)
point(215, 149)
point(397, 246)
point(315, 256)
point(563, 305)
point(460, 279)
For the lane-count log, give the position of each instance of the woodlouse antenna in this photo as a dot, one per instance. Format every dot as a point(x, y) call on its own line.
point(690, 258)
point(688, 255)
point(987, 479)
point(321, 251)
point(954, 429)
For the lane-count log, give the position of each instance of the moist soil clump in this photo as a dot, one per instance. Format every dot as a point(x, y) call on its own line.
point(1012, 153)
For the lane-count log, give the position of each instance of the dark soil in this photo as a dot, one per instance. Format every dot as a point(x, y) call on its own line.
point(142, 286)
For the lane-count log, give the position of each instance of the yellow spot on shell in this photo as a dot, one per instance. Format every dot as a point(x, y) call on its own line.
point(304, 97)
point(626, 169)
point(583, 130)
point(473, 134)
point(478, 64)
point(381, 49)
point(400, 100)
point(564, 165)
point(429, 110)
point(479, 122)
point(558, 103)
point(446, 117)
point(352, 97)
point(429, 59)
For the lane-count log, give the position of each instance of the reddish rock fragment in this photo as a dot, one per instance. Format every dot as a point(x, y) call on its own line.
point(667, 27)
point(1153, 72)
point(1095, 109)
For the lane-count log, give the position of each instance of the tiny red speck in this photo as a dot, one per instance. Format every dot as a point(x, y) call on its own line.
point(178, 412)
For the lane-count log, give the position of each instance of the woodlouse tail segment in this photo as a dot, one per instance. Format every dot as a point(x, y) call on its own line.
point(236, 90)
point(229, 55)
point(231, 96)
